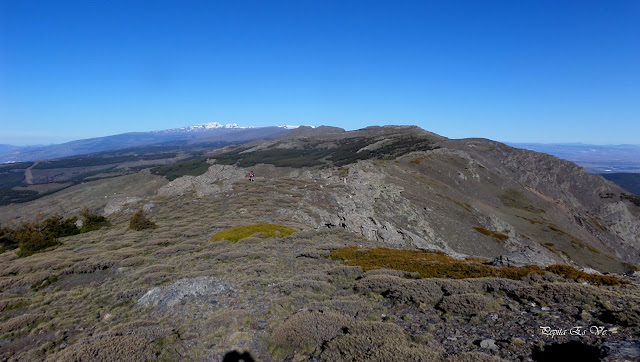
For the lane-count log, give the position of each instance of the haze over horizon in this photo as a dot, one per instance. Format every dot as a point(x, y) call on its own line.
point(521, 72)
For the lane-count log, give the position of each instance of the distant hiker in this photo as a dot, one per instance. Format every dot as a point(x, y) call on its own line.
point(251, 176)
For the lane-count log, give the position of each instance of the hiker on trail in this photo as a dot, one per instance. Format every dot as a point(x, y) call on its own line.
point(251, 176)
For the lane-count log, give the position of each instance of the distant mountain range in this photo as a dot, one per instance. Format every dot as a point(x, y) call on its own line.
point(594, 158)
point(202, 133)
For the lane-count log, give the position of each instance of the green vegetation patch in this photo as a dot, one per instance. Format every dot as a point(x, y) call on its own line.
point(429, 264)
point(279, 157)
point(628, 181)
point(340, 153)
point(515, 199)
point(11, 178)
point(99, 160)
point(241, 232)
point(193, 167)
point(92, 221)
point(9, 196)
point(35, 236)
point(32, 237)
point(15, 166)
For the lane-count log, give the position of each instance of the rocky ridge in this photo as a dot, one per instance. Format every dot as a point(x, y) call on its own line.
point(466, 197)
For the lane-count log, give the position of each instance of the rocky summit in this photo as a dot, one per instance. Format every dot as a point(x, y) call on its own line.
point(381, 244)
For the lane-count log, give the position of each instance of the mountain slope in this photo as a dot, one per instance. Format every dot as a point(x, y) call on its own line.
point(407, 187)
point(468, 197)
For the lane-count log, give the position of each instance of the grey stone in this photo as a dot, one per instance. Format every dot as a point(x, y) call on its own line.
point(170, 295)
point(489, 344)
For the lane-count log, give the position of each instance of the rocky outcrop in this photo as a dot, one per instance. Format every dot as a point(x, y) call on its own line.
point(218, 179)
point(170, 295)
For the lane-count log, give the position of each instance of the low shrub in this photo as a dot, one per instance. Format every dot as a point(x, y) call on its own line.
point(56, 226)
point(139, 222)
point(454, 286)
point(467, 304)
point(305, 284)
point(344, 271)
point(7, 239)
point(626, 317)
point(351, 305)
point(419, 292)
point(376, 341)
point(92, 221)
point(241, 232)
point(306, 331)
point(378, 283)
point(32, 238)
point(493, 285)
point(557, 293)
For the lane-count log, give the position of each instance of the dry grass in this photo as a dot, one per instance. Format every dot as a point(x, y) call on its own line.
point(242, 232)
point(112, 348)
point(495, 234)
point(516, 199)
point(376, 341)
point(308, 330)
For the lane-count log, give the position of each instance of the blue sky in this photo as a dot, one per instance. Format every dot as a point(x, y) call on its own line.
point(520, 71)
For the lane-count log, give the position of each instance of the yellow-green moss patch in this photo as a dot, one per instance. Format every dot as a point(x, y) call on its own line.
point(430, 264)
point(241, 232)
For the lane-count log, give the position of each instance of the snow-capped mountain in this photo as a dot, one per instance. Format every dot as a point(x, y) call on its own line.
point(201, 133)
point(220, 126)
point(206, 127)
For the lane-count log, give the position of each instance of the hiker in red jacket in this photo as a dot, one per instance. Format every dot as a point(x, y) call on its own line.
point(251, 176)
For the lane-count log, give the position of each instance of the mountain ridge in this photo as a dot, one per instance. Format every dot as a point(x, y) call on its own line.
point(401, 240)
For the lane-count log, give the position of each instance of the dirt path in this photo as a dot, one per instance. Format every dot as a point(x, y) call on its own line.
point(28, 176)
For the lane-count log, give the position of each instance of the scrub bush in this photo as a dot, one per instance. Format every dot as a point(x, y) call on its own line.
point(139, 222)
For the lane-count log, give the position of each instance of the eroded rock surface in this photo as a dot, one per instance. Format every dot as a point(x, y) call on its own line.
point(170, 295)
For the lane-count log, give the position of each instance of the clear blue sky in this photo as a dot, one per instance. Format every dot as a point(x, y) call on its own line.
point(522, 71)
